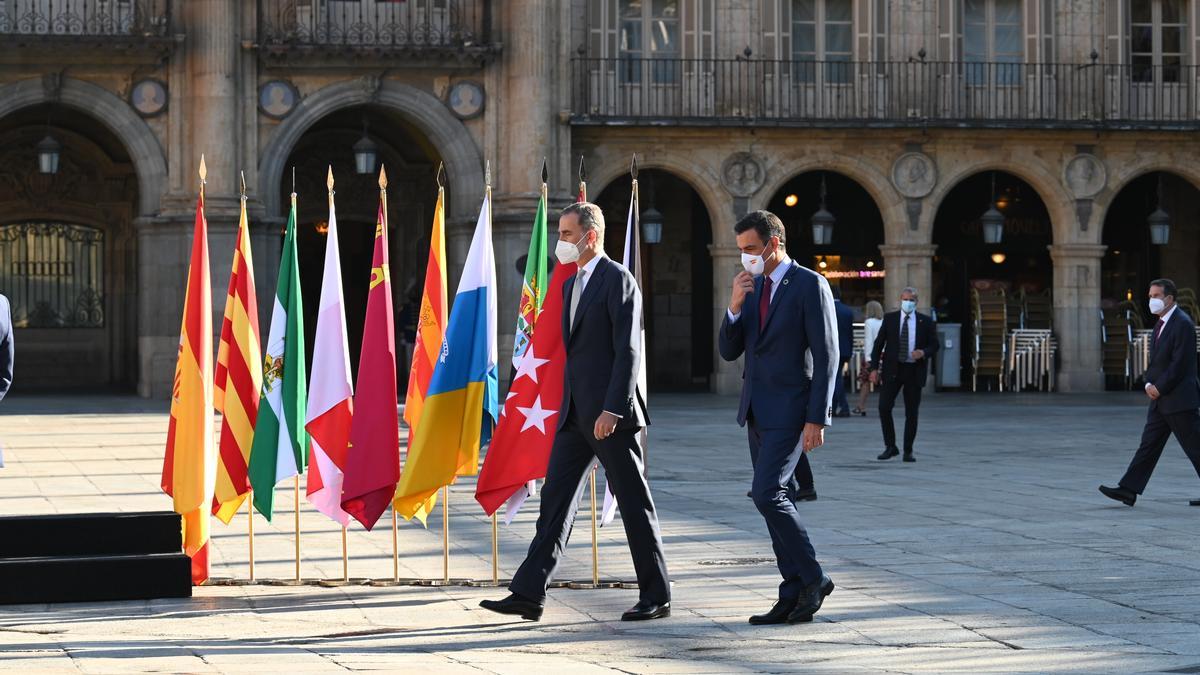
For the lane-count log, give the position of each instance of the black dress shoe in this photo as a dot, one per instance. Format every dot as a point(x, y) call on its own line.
point(516, 605)
point(806, 496)
point(1120, 494)
point(889, 453)
point(1194, 502)
point(644, 611)
point(908, 457)
point(842, 413)
point(810, 600)
point(778, 614)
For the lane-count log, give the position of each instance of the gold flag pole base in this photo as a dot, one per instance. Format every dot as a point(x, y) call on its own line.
point(345, 558)
point(595, 540)
point(446, 535)
point(495, 551)
point(296, 492)
point(395, 547)
point(250, 526)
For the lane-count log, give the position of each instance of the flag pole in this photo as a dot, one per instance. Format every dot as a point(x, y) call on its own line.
point(582, 181)
point(495, 551)
point(345, 558)
point(395, 548)
point(446, 534)
point(595, 541)
point(296, 489)
point(250, 523)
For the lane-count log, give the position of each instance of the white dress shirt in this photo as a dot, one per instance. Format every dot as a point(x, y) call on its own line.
point(1165, 317)
point(777, 276)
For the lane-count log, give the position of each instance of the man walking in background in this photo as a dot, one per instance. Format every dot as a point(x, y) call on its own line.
point(1174, 393)
point(906, 343)
point(845, 325)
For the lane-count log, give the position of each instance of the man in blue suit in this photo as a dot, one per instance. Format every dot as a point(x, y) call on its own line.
point(781, 318)
point(1174, 393)
point(845, 325)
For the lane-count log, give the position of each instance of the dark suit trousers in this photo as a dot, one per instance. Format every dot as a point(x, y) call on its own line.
point(575, 447)
point(840, 403)
point(906, 381)
point(1159, 427)
point(774, 472)
point(802, 479)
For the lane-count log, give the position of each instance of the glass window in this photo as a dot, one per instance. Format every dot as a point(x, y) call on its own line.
point(993, 44)
point(649, 31)
point(53, 274)
point(1156, 40)
point(823, 31)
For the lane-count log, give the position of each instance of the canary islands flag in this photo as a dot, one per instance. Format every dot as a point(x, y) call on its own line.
point(461, 404)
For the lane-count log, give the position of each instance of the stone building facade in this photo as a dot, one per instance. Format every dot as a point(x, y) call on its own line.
point(905, 120)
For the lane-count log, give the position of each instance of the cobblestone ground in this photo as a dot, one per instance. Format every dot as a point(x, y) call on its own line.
point(994, 552)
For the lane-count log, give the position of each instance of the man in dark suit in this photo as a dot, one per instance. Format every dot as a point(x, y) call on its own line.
point(907, 341)
point(845, 324)
point(1174, 393)
point(6, 347)
point(601, 417)
point(781, 319)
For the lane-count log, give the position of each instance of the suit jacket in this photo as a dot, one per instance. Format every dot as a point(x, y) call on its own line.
point(1172, 367)
point(604, 348)
point(6, 347)
point(888, 349)
point(775, 384)
point(845, 325)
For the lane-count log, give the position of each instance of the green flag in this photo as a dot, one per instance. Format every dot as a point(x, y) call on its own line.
point(280, 447)
point(533, 290)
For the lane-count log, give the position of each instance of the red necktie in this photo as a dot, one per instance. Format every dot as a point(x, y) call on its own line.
point(1158, 329)
point(764, 303)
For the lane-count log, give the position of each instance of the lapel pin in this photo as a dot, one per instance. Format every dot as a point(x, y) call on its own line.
point(785, 282)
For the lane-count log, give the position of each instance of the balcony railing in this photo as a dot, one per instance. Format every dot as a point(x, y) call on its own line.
point(376, 24)
point(84, 18)
point(880, 93)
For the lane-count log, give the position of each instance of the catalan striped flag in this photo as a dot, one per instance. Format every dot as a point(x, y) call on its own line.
point(461, 404)
point(190, 465)
point(239, 380)
point(431, 331)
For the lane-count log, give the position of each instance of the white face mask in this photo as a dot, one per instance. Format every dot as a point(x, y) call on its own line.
point(567, 253)
point(1157, 305)
point(755, 264)
point(908, 306)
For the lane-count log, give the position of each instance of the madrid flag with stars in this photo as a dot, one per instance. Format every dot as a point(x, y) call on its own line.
point(520, 449)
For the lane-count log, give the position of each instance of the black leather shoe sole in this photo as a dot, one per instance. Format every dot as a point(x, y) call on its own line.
point(806, 617)
point(660, 612)
point(888, 454)
point(1118, 495)
point(1194, 502)
point(527, 612)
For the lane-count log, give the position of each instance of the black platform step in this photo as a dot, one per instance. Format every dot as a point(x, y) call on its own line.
point(90, 534)
point(94, 578)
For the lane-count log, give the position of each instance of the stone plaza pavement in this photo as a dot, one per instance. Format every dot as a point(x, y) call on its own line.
point(994, 552)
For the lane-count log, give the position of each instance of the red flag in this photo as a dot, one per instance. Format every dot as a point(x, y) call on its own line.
point(520, 449)
point(373, 464)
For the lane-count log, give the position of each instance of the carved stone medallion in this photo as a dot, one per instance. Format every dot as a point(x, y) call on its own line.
point(743, 174)
point(1085, 176)
point(914, 174)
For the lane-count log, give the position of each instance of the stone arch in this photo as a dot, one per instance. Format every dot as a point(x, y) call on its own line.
point(1121, 176)
point(872, 180)
point(710, 191)
point(139, 140)
point(1044, 182)
point(463, 160)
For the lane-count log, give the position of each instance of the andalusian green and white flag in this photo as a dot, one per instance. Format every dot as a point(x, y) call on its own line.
point(280, 447)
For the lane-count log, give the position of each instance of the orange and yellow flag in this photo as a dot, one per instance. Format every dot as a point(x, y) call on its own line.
point(431, 330)
point(190, 467)
point(239, 380)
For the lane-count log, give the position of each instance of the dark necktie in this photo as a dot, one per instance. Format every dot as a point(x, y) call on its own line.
point(1158, 329)
point(764, 303)
point(907, 355)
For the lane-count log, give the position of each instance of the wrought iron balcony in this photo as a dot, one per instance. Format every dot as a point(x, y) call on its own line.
point(74, 19)
point(884, 94)
point(460, 27)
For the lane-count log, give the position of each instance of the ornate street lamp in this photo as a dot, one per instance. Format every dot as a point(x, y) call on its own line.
point(49, 151)
point(992, 220)
point(365, 153)
point(652, 225)
point(822, 221)
point(1159, 221)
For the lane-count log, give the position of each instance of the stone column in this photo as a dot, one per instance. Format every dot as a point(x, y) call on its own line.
point(1077, 322)
point(205, 121)
point(727, 261)
point(908, 265)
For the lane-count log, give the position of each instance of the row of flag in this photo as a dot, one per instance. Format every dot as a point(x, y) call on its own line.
point(346, 434)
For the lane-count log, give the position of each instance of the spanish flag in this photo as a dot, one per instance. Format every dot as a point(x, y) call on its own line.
point(239, 380)
point(461, 404)
point(431, 331)
point(190, 466)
